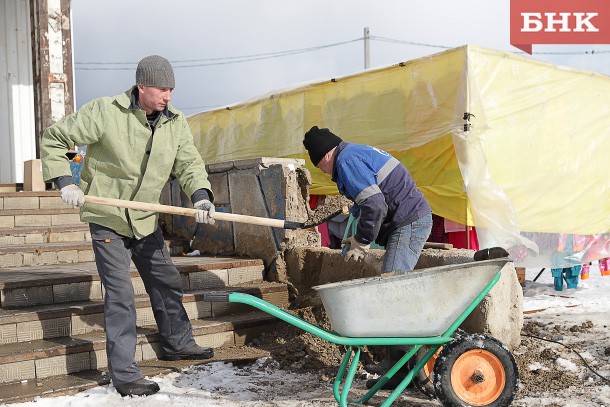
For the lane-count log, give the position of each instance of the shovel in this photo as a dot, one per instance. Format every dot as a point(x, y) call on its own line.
point(176, 210)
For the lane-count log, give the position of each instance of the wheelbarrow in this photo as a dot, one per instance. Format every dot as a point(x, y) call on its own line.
point(422, 309)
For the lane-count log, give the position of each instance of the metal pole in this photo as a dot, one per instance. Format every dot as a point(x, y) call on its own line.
point(367, 54)
point(538, 275)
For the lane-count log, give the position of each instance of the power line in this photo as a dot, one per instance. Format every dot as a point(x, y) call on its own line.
point(419, 44)
point(591, 52)
point(199, 107)
point(233, 57)
point(222, 61)
point(203, 62)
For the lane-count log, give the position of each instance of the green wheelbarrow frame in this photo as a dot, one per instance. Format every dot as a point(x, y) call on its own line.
point(349, 364)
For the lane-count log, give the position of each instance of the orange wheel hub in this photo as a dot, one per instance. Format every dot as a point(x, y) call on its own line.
point(478, 377)
point(429, 366)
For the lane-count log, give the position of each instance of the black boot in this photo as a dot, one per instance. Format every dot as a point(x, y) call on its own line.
point(140, 387)
point(393, 382)
point(393, 354)
point(379, 368)
point(195, 352)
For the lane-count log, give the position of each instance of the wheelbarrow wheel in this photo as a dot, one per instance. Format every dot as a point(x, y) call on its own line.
point(424, 379)
point(475, 370)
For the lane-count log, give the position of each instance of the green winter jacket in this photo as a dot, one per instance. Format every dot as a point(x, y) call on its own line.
point(124, 160)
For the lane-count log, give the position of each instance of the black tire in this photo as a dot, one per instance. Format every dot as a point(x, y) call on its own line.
point(475, 370)
point(424, 379)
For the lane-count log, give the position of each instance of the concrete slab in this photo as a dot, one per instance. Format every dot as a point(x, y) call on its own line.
point(251, 240)
point(267, 161)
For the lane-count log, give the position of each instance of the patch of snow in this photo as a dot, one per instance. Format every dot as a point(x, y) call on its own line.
point(567, 365)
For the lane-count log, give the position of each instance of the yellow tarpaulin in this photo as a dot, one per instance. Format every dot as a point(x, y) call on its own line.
point(529, 164)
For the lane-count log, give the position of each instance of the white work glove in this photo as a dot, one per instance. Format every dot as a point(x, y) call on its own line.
point(357, 250)
point(205, 212)
point(72, 195)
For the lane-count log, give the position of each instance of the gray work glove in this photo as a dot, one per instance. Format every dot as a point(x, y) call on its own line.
point(205, 212)
point(72, 195)
point(357, 250)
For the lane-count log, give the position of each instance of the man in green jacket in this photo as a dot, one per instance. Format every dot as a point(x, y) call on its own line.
point(134, 141)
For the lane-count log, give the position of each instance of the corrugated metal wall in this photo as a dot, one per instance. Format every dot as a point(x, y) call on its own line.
point(17, 129)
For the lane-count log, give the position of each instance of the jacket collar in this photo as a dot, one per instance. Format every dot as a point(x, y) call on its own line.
point(338, 150)
point(129, 100)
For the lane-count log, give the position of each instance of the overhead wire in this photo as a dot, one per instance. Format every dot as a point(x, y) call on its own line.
point(275, 53)
point(422, 44)
point(419, 44)
point(198, 107)
point(203, 62)
point(192, 63)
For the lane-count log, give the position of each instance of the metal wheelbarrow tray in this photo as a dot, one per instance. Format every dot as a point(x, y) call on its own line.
point(424, 309)
point(415, 304)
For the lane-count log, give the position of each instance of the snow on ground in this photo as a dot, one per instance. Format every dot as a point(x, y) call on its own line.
point(577, 317)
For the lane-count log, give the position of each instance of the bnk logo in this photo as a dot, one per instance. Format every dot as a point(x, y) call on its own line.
point(559, 22)
point(533, 22)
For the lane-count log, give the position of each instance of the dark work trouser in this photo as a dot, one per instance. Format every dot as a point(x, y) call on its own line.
point(163, 284)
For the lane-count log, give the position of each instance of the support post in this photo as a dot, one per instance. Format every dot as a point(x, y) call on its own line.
point(367, 55)
point(52, 62)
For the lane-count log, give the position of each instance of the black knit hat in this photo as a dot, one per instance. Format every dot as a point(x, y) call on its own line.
point(154, 70)
point(318, 142)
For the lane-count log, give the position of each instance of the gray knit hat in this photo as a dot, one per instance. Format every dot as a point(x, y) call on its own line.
point(154, 70)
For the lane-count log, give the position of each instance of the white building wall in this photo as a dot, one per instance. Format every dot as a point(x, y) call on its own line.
point(17, 128)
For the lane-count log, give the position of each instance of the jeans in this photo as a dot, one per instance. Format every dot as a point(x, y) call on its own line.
point(405, 245)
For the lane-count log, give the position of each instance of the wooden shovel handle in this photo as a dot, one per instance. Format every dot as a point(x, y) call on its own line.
point(176, 210)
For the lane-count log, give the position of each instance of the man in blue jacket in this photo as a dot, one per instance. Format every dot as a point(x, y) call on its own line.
point(391, 211)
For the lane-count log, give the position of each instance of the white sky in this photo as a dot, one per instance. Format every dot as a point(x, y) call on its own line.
point(127, 30)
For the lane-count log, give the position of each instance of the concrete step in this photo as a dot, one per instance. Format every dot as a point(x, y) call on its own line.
point(61, 320)
point(41, 234)
point(61, 385)
point(14, 218)
point(57, 284)
point(41, 343)
point(31, 200)
point(39, 245)
point(41, 254)
point(40, 359)
point(51, 299)
point(4, 188)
